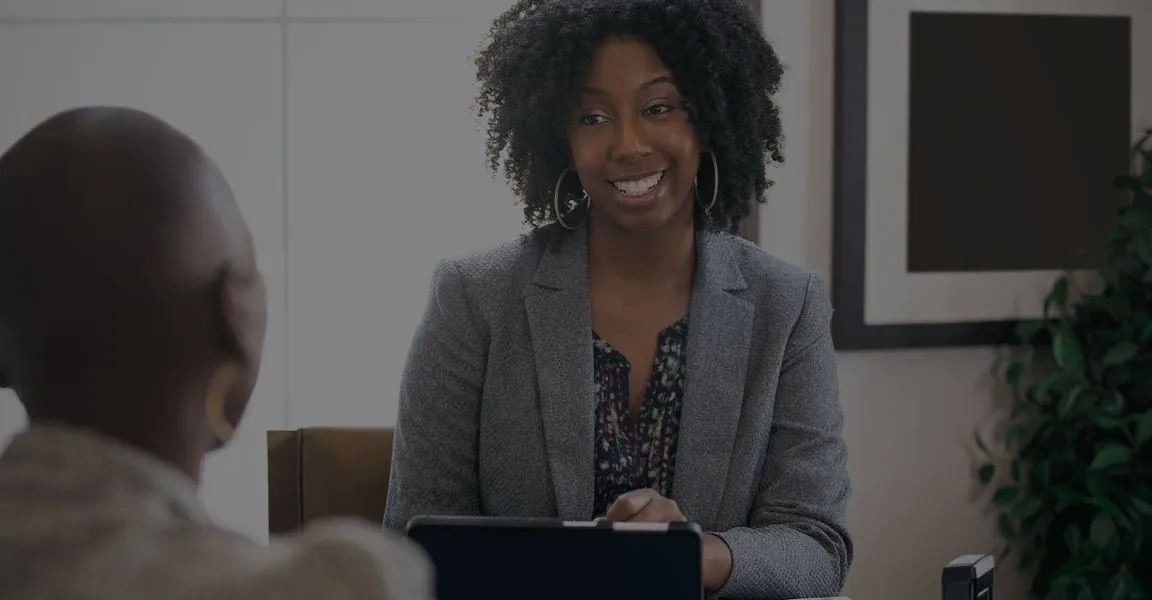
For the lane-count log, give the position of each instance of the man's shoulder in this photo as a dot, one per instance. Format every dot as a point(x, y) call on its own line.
point(389, 563)
point(336, 559)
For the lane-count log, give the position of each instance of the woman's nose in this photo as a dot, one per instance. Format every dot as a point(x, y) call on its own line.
point(629, 141)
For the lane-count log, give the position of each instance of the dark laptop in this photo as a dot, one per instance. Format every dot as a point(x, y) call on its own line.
point(534, 559)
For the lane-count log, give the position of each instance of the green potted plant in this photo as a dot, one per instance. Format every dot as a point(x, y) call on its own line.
point(1073, 483)
point(1139, 181)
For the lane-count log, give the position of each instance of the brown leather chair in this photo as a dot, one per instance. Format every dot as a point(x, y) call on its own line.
point(327, 471)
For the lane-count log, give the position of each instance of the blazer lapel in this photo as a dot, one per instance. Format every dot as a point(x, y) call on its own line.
point(719, 336)
point(559, 318)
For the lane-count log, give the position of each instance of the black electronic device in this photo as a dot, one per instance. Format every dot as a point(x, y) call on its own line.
point(532, 559)
point(969, 577)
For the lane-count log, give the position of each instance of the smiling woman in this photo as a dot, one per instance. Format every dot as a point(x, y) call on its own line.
point(711, 56)
point(631, 358)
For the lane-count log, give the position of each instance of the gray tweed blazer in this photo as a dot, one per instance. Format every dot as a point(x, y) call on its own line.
point(496, 406)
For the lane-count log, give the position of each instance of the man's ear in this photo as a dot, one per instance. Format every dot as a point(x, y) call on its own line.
point(243, 311)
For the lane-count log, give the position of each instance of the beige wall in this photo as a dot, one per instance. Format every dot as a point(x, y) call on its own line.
point(909, 413)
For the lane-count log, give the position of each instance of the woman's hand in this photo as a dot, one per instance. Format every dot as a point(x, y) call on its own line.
point(644, 506)
point(648, 506)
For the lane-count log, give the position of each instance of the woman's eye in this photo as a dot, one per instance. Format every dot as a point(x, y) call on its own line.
point(660, 109)
point(592, 119)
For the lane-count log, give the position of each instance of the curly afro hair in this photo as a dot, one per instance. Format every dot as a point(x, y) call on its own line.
point(537, 54)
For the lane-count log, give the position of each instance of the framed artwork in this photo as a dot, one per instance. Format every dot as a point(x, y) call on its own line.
point(975, 146)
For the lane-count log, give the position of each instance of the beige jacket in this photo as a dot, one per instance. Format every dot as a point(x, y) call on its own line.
point(86, 517)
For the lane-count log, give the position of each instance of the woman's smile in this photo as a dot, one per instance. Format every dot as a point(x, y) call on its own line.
point(642, 191)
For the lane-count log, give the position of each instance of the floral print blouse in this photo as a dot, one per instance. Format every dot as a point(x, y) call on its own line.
point(641, 453)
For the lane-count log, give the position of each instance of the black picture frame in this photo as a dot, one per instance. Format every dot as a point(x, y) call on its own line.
point(850, 330)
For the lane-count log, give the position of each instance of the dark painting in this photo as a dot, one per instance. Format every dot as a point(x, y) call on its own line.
point(1017, 126)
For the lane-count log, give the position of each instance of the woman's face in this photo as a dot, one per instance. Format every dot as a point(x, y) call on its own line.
point(631, 141)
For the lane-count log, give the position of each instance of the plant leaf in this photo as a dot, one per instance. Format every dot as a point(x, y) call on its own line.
point(1113, 403)
point(1143, 433)
point(1142, 506)
point(1137, 550)
point(1130, 221)
point(1058, 296)
point(1127, 183)
point(1019, 435)
point(1005, 526)
point(986, 473)
point(1005, 495)
point(1099, 488)
point(1102, 531)
point(1041, 390)
point(1062, 583)
point(1013, 373)
point(1120, 353)
point(1144, 247)
point(979, 440)
point(1026, 330)
point(1120, 587)
point(1064, 497)
point(1073, 537)
point(1107, 421)
point(1029, 558)
point(1067, 352)
point(1027, 508)
point(1043, 470)
point(1110, 455)
point(1068, 402)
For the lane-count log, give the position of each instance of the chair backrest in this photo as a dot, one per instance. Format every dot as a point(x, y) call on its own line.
point(327, 471)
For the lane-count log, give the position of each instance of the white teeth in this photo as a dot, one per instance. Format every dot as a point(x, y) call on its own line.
point(638, 187)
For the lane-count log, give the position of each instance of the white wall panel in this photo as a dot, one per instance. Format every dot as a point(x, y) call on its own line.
point(139, 9)
point(458, 10)
point(386, 176)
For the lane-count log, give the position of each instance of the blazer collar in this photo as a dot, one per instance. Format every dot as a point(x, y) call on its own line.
point(564, 264)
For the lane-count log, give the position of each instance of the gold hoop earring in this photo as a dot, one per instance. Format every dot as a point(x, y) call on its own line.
point(556, 203)
point(715, 186)
point(215, 399)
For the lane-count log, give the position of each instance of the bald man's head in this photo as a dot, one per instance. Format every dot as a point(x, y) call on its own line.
point(124, 261)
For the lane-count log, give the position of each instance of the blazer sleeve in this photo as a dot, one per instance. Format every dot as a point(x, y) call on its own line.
point(434, 457)
point(796, 544)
